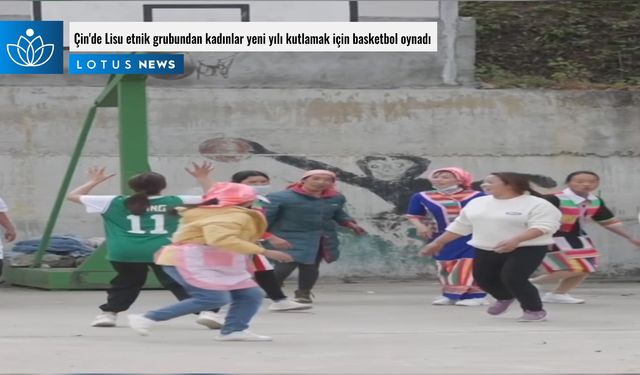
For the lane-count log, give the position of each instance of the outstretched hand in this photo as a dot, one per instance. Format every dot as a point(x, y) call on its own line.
point(98, 175)
point(425, 231)
point(355, 228)
point(280, 243)
point(507, 246)
point(431, 249)
point(10, 235)
point(199, 171)
point(358, 230)
point(278, 256)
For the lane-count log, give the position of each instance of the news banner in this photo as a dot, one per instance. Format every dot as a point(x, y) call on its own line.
point(36, 47)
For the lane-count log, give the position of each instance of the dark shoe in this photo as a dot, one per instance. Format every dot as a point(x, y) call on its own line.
point(303, 296)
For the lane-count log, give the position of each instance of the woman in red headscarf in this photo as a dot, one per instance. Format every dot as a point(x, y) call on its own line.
point(306, 215)
point(441, 206)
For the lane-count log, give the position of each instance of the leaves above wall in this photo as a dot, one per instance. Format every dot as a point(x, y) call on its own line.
point(557, 44)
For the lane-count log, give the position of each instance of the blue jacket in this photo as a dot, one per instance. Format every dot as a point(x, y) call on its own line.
point(304, 221)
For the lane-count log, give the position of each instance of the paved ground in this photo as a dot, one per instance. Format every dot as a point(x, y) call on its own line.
point(365, 328)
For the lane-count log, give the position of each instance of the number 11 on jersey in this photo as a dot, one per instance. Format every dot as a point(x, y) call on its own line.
point(136, 227)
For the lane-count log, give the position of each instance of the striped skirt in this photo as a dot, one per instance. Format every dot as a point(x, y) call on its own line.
point(578, 256)
point(456, 278)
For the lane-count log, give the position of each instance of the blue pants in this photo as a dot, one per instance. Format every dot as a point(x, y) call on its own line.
point(244, 304)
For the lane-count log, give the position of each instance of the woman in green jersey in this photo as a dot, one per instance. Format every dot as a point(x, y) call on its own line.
point(137, 226)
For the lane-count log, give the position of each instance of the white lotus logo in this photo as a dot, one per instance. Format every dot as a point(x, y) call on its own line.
point(30, 52)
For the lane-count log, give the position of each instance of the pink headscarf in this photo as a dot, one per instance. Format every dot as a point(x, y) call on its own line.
point(331, 191)
point(461, 175)
point(230, 194)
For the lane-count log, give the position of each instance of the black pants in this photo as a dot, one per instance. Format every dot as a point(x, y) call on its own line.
point(506, 275)
point(268, 281)
point(128, 283)
point(307, 273)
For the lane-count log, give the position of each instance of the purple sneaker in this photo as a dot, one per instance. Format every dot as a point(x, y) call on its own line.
point(533, 316)
point(499, 306)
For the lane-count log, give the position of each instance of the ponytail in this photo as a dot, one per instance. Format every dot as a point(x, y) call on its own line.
point(138, 203)
point(534, 192)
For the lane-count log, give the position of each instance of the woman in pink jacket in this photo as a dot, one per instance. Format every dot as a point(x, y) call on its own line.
point(209, 257)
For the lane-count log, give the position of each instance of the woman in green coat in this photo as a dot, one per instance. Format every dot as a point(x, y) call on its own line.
point(307, 215)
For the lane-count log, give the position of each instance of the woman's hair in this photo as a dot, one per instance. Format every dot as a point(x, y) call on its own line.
point(238, 177)
point(519, 182)
point(573, 174)
point(144, 185)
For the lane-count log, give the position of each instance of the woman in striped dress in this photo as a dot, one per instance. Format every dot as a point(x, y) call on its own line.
point(455, 262)
point(573, 256)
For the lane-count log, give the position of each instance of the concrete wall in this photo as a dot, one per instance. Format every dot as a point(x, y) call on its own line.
point(381, 140)
point(15, 10)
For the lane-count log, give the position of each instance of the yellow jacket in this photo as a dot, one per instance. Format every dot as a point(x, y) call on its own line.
point(233, 228)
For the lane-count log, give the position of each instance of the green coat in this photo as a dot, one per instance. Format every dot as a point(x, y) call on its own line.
point(304, 220)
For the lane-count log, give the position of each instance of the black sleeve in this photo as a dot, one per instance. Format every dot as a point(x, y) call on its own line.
point(604, 215)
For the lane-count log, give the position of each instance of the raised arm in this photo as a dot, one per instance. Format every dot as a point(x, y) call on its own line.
point(202, 174)
point(97, 176)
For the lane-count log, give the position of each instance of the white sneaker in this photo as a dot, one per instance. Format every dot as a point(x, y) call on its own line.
point(140, 324)
point(242, 336)
point(210, 320)
point(443, 301)
point(560, 298)
point(105, 319)
point(472, 302)
point(289, 305)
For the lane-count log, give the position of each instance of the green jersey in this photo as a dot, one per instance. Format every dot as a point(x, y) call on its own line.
point(133, 238)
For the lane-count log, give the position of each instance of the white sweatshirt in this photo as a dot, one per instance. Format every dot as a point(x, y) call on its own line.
point(490, 220)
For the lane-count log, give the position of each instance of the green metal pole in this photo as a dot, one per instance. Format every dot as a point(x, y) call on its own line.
point(132, 105)
point(53, 217)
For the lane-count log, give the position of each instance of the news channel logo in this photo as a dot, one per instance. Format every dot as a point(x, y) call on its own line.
point(100, 63)
point(31, 47)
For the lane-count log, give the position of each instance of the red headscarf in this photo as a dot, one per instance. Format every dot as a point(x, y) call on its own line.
point(331, 191)
point(230, 194)
point(461, 175)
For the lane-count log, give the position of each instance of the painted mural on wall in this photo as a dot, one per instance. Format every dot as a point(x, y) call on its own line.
point(393, 178)
point(391, 244)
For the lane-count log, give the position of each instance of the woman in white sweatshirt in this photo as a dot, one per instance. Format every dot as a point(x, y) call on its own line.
point(512, 229)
